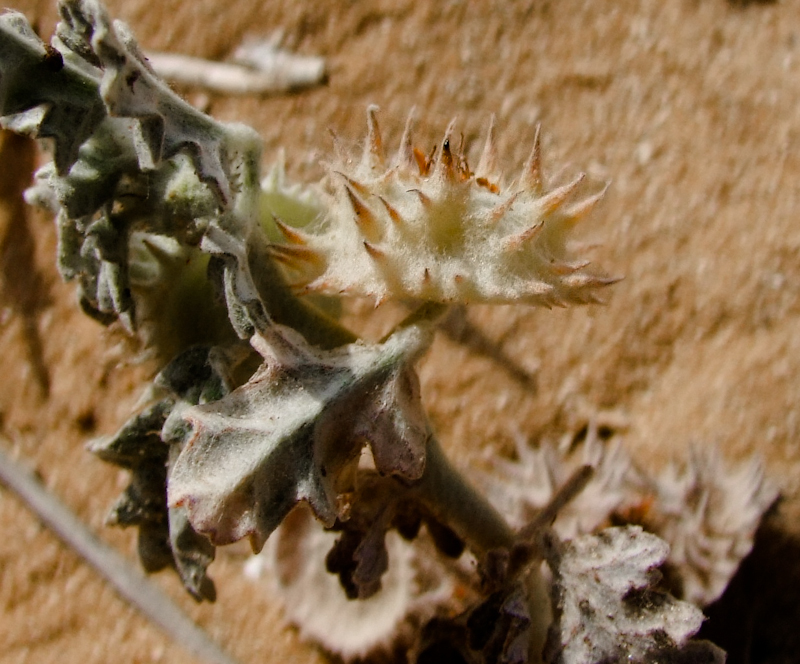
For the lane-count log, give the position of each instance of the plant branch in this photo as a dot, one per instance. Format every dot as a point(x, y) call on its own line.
point(285, 307)
point(447, 494)
point(424, 313)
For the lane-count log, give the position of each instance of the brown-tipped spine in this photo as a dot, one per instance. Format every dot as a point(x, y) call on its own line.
point(293, 255)
point(515, 242)
point(362, 189)
point(585, 283)
point(583, 208)
point(319, 285)
point(365, 220)
point(532, 170)
point(291, 234)
point(499, 211)
point(373, 150)
point(445, 165)
point(394, 215)
point(562, 268)
point(405, 155)
point(374, 253)
point(556, 198)
point(338, 149)
point(542, 293)
point(423, 198)
point(162, 256)
point(424, 163)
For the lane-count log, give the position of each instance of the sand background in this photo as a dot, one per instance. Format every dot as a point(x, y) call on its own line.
point(689, 107)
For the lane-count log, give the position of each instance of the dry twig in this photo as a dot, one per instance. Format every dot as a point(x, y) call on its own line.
point(133, 586)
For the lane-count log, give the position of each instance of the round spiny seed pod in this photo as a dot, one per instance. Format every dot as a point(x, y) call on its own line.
point(431, 229)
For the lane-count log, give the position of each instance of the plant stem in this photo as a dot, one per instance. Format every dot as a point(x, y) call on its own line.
point(448, 495)
point(428, 312)
point(284, 307)
point(456, 503)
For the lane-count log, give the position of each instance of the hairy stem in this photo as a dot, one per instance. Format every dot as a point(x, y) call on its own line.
point(455, 502)
point(285, 307)
point(446, 492)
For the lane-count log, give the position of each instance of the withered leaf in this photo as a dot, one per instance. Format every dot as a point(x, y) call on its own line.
point(494, 631)
point(360, 556)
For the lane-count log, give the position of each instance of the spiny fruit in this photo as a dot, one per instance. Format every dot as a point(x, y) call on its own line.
point(429, 228)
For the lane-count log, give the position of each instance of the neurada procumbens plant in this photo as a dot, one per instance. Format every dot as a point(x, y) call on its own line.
point(264, 404)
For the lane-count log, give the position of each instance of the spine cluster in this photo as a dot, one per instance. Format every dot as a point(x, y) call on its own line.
point(428, 227)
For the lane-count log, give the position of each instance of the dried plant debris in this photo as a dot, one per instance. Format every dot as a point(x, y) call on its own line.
point(708, 510)
point(380, 504)
point(510, 622)
point(521, 488)
point(294, 432)
point(429, 228)
point(499, 628)
point(605, 601)
point(606, 607)
point(495, 631)
point(413, 589)
point(260, 67)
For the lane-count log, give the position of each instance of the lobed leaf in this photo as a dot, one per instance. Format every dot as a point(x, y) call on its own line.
point(130, 154)
point(294, 432)
point(606, 608)
point(166, 537)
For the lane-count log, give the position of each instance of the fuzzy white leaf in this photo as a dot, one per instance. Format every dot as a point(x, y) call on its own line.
point(294, 432)
point(63, 105)
point(129, 88)
point(604, 604)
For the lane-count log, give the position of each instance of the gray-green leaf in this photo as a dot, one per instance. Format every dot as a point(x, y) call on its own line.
point(295, 431)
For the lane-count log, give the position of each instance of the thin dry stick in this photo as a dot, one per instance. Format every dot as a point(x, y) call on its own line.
point(269, 71)
point(129, 582)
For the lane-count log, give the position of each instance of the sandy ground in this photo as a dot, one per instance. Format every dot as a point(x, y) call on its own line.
point(689, 107)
